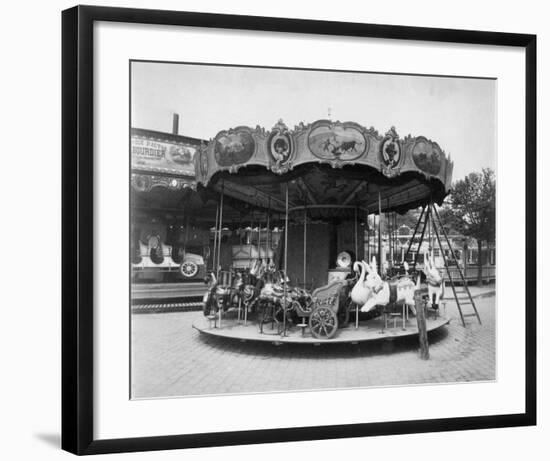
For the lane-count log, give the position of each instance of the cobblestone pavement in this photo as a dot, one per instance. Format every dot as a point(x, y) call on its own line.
point(170, 358)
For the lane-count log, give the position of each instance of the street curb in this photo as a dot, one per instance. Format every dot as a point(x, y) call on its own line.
point(486, 294)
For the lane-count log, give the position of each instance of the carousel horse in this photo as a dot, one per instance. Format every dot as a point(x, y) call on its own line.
point(220, 295)
point(434, 280)
point(249, 288)
point(272, 295)
point(382, 293)
point(237, 288)
point(268, 301)
point(209, 301)
point(273, 284)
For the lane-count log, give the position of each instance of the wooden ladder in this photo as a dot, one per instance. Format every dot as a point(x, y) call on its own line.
point(460, 300)
point(421, 223)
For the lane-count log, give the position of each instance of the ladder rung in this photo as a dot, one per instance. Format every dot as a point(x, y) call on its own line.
point(469, 315)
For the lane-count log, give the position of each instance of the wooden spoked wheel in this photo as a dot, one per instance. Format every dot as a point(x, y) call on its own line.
point(323, 322)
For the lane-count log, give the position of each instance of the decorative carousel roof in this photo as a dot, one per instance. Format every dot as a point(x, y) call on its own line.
point(327, 166)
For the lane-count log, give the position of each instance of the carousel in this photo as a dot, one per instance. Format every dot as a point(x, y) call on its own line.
point(301, 267)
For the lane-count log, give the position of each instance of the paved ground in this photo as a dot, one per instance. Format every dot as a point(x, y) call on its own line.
point(170, 358)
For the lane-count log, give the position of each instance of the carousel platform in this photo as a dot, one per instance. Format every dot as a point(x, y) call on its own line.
point(371, 330)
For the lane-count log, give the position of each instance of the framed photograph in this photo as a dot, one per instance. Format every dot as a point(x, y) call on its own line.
point(283, 230)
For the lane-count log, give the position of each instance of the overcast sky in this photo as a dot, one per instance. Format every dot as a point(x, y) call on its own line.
point(458, 113)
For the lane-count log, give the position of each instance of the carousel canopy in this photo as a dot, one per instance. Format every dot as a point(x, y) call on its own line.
point(332, 168)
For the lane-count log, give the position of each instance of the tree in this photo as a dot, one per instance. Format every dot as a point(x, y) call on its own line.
point(472, 210)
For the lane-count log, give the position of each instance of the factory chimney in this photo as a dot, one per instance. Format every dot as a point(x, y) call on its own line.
point(175, 123)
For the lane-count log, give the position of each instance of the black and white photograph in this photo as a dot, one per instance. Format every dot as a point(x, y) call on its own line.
point(274, 231)
point(296, 229)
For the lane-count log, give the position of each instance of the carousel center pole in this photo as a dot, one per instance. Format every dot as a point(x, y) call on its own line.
point(286, 261)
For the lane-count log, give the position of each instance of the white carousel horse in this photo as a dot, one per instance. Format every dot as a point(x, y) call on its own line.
point(400, 291)
point(360, 293)
point(434, 280)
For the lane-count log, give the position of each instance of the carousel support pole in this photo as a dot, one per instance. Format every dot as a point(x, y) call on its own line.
point(430, 236)
point(219, 246)
point(395, 236)
point(356, 258)
point(387, 217)
point(215, 251)
point(249, 241)
point(305, 247)
point(286, 261)
point(379, 234)
point(388, 226)
point(267, 233)
point(220, 232)
point(259, 238)
point(239, 307)
point(393, 239)
point(355, 236)
point(368, 237)
point(388, 231)
point(245, 313)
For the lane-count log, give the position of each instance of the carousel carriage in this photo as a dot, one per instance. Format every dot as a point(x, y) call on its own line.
point(321, 308)
point(323, 312)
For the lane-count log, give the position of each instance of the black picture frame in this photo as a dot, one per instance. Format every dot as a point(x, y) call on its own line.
point(78, 220)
